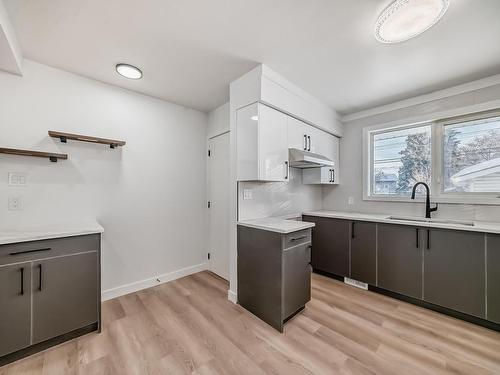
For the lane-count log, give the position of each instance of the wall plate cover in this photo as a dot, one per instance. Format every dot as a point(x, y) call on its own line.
point(17, 179)
point(247, 194)
point(15, 203)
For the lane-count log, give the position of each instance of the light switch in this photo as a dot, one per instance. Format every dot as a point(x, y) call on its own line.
point(247, 194)
point(17, 179)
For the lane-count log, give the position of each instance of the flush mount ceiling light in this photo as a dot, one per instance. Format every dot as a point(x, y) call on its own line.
point(405, 19)
point(129, 71)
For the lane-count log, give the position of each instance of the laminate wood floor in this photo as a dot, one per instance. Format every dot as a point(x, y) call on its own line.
point(188, 327)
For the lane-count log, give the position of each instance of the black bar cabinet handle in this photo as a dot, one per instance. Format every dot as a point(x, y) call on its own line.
point(40, 277)
point(352, 229)
point(286, 168)
point(298, 238)
point(428, 239)
point(305, 142)
point(309, 139)
point(416, 230)
point(333, 175)
point(30, 251)
point(22, 280)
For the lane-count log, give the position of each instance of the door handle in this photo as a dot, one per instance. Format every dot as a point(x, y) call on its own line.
point(305, 142)
point(40, 277)
point(352, 229)
point(333, 175)
point(22, 281)
point(309, 139)
point(286, 170)
point(416, 230)
point(428, 239)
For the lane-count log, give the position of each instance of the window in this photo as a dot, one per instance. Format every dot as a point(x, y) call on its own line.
point(400, 159)
point(472, 156)
point(459, 159)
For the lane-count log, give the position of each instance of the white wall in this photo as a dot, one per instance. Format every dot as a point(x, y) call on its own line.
point(149, 196)
point(218, 121)
point(336, 198)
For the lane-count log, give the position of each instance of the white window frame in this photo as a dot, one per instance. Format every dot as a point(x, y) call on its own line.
point(437, 184)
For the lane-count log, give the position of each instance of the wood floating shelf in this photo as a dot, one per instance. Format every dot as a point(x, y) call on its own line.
point(113, 143)
point(37, 154)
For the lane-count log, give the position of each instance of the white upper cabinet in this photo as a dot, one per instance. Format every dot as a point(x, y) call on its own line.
point(297, 134)
point(262, 149)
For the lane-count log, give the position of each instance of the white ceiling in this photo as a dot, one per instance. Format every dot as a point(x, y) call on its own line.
point(189, 50)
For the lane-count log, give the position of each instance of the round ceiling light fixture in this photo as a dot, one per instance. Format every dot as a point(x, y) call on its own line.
point(405, 19)
point(129, 71)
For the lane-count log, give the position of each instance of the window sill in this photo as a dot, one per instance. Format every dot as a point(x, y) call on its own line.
point(491, 200)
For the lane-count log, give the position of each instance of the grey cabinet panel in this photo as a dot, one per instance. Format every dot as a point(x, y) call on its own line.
point(296, 278)
point(330, 241)
point(33, 250)
point(493, 254)
point(15, 308)
point(454, 270)
point(65, 295)
point(364, 251)
point(259, 274)
point(400, 259)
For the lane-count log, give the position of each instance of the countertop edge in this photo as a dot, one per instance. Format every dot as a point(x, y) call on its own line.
point(7, 239)
point(480, 226)
point(270, 228)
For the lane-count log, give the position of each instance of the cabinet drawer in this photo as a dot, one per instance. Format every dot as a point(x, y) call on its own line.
point(297, 238)
point(33, 250)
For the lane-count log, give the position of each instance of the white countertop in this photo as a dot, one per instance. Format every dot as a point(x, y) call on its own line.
point(8, 236)
point(479, 226)
point(275, 224)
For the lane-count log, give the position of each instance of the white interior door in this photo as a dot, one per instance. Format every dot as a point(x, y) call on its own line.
point(218, 195)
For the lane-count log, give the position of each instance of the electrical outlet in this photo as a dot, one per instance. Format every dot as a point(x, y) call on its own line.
point(17, 179)
point(247, 194)
point(15, 203)
point(350, 200)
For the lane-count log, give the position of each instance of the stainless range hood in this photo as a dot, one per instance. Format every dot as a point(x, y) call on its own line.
point(305, 159)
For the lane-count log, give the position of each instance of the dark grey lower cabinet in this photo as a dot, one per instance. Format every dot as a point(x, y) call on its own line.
point(274, 273)
point(49, 292)
point(400, 259)
point(330, 251)
point(15, 307)
point(454, 270)
point(493, 280)
point(64, 295)
point(364, 251)
point(296, 278)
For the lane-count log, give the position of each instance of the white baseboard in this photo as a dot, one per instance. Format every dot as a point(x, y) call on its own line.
point(232, 296)
point(148, 283)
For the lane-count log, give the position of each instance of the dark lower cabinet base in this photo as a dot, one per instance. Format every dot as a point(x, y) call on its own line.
point(12, 357)
point(414, 301)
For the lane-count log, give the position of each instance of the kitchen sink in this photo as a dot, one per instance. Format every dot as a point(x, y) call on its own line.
point(437, 221)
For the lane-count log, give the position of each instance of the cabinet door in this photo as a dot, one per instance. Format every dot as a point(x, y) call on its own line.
point(330, 245)
point(325, 144)
point(454, 270)
point(296, 278)
point(297, 133)
point(364, 252)
point(65, 295)
point(15, 307)
point(273, 146)
point(400, 259)
point(493, 264)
